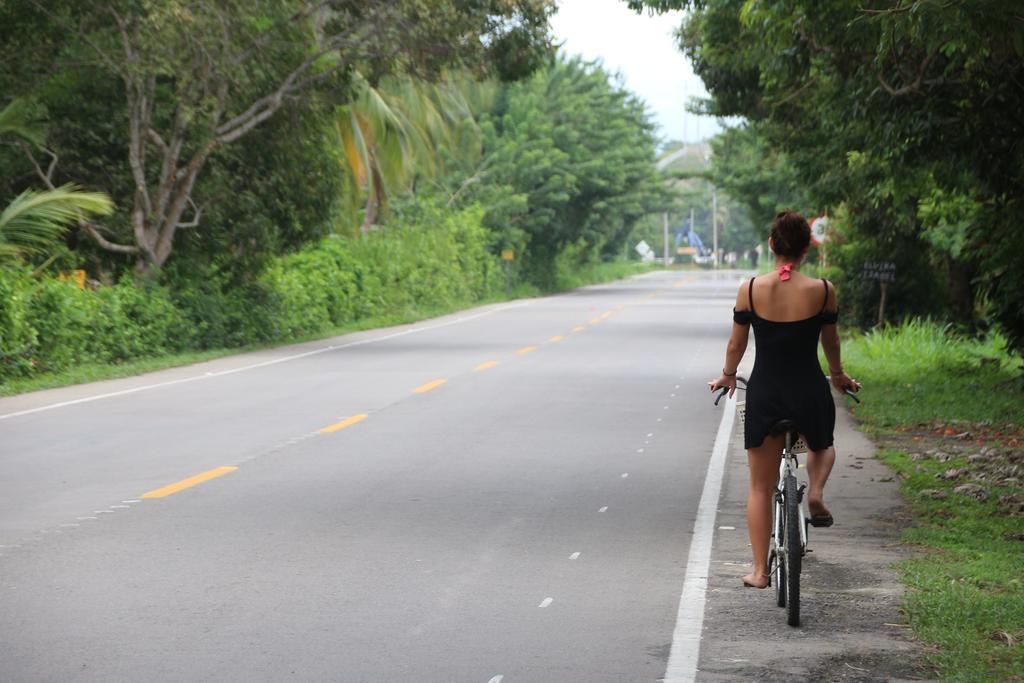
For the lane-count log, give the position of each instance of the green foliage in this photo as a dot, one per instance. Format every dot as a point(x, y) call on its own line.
point(921, 370)
point(907, 115)
point(428, 259)
point(434, 260)
point(967, 595)
point(567, 156)
point(33, 223)
point(52, 325)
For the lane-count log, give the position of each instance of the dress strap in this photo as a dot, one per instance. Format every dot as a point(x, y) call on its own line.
point(750, 294)
point(825, 302)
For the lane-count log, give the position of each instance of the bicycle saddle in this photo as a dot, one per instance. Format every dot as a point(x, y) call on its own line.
point(782, 427)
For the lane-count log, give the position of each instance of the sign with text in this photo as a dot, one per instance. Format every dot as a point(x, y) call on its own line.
point(508, 255)
point(884, 271)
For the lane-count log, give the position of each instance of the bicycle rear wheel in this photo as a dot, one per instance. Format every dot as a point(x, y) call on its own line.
point(793, 552)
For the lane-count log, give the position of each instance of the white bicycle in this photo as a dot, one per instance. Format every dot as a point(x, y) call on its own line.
point(790, 520)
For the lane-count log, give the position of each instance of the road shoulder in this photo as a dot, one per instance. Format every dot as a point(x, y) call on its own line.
point(853, 629)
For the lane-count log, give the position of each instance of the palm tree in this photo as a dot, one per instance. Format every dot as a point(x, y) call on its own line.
point(392, 134)
point(34, 222)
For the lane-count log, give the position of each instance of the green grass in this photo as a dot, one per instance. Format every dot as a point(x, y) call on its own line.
point(95, 372)
point(967, 578)
point(919, 371)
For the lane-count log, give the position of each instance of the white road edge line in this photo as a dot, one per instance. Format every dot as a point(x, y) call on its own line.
point(254, 366)
point(682, 659)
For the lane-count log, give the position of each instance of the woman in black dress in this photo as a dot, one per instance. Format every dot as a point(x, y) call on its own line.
point(789, 313)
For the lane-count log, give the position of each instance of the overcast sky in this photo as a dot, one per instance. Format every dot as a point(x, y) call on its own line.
point(643, 50)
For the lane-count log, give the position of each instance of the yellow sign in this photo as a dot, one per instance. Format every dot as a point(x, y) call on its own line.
point(686, 250)
point(76, 276)
point(508, 255)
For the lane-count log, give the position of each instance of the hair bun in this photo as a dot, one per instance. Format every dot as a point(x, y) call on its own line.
point(790, 234)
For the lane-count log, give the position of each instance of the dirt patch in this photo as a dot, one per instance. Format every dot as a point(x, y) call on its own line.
point(981, 460)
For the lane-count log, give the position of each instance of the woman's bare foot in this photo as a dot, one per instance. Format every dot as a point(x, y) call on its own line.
point(818, 509)
point(820, 515)
point(756, 579)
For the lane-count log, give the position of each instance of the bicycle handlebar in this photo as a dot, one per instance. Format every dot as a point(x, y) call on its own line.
point(725, 390)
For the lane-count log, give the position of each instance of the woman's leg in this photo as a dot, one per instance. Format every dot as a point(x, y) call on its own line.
point(764, 474)
point(819, 466)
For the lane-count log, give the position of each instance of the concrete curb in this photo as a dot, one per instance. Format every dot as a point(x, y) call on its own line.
point(852, 627)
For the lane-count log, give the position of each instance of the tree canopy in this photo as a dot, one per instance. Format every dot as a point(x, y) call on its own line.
point(904, 119)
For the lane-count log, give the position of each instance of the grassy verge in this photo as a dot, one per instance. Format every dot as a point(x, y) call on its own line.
point(948, 414)
point(94, 372)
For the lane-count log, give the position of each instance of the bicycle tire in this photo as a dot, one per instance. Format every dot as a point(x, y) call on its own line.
point(794, 553)
point(777, 556)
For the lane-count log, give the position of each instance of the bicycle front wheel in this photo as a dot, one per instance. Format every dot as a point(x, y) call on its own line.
point(793, 551)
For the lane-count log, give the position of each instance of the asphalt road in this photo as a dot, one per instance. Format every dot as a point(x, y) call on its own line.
point(506, 492)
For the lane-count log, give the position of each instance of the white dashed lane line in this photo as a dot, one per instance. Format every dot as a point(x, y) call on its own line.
point(545, 602)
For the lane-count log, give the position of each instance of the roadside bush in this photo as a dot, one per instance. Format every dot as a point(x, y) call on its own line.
point(17, 335)
point(428, 259)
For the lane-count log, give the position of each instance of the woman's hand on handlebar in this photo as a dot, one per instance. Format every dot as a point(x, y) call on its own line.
point(844, 382)
point(724, 382)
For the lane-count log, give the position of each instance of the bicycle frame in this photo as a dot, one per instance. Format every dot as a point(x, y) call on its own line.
point(789, 465)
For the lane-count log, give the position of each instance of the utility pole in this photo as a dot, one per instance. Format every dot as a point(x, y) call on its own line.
point(664, 218)
point(714, 223)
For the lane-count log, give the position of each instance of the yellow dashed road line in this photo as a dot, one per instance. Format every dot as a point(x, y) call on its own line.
point(485, 365)
point(556, 338)
point(429, 386)
point(526, 349)
point(578, 328)
point(347, 422)
point(188, 483)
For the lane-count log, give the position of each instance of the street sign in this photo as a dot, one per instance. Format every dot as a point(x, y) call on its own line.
point(508, 255)
point(75, 276)
point(686, 250)
point(884, 271)
point(819, 226)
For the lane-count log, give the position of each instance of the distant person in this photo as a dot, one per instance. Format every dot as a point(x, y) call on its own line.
point(789, 312)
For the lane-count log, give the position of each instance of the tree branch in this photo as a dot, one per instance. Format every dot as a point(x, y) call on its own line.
point(913, 87)
point(104, 242)
point(157, 140)
point(47, 177)
point(197, 213)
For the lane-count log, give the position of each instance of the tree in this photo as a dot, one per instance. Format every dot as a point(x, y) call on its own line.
point(196, 77)
point(568, 159)
point(393, 135)
point(905, 117)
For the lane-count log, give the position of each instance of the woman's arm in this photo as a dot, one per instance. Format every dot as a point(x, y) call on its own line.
point(830, 345)
point(736, 347)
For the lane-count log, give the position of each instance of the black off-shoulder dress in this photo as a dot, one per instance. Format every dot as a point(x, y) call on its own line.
point(786, 382)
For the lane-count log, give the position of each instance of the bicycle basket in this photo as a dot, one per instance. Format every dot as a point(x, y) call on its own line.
point(741, 411)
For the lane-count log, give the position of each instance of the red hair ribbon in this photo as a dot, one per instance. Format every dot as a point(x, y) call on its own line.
point(785, 272)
